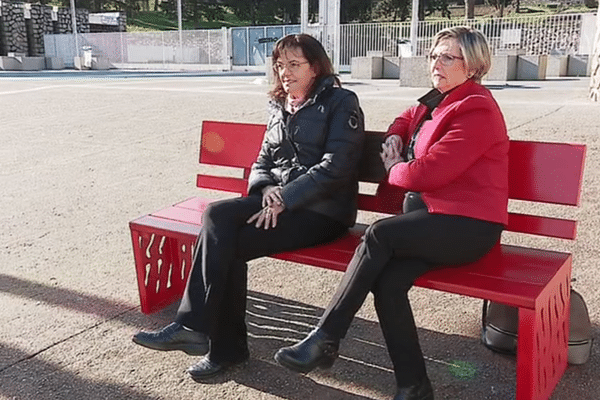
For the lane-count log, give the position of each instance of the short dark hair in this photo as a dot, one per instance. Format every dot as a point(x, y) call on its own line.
point(314, 53)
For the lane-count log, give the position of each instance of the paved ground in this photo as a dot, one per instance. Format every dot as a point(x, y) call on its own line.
point(81, 154)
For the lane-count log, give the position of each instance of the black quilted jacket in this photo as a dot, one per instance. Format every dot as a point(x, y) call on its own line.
point(314, 153)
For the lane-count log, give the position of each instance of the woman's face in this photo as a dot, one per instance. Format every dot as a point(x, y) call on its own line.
point(447, 65)
point(295, 72)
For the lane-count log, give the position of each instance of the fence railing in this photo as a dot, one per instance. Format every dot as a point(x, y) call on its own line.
point(530, 35)
point(534, 35)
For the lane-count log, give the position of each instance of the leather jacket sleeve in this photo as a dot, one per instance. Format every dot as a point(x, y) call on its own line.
point(340, 156)
point(260, 175)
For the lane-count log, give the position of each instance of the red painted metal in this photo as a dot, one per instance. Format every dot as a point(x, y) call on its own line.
point(534, 280)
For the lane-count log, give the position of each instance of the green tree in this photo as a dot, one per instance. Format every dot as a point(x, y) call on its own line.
point(254, 11)
point(500, 5)
point(355, 11)
point(391, 10)
point(428, 7)
point(194, 10)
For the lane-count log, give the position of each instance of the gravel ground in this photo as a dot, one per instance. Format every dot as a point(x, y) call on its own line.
point(83, 153)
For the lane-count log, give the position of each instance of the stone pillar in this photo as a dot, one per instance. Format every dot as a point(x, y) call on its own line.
point(14, 32)
point(38, 27)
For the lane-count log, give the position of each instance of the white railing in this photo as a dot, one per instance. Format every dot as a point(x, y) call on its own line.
point(535, 35)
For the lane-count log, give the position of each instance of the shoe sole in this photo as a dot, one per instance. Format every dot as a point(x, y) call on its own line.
point(189, 349)
point(202, 377)
point(326, 364)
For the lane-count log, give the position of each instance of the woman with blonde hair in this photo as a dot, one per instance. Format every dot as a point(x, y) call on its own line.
point(449, 155)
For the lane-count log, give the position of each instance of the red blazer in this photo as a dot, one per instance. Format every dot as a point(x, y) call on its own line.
point(461, 155)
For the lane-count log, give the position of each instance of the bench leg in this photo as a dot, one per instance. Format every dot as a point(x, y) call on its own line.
point(162, 266)
point(542, 349)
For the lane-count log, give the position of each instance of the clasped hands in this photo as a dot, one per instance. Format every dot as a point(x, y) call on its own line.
point(272, 204)
point(391, 152)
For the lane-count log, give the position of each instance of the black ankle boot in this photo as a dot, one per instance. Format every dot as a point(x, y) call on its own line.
point(316, 350)
point(420, 391)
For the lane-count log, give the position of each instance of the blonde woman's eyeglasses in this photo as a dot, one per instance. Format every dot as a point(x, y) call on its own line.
point(445, 59)
point(292, 66)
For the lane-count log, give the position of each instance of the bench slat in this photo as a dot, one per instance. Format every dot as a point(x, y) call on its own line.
point(223, 183)
point(544, 226)
point(556, 177)
point(230, 144)
point(508, 274)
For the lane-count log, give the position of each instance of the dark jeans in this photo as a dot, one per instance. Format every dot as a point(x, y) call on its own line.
point(214, 301)
point(393, 253)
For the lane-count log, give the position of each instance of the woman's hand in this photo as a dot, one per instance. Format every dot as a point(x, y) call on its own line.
point(271, 195)
point(391, 152)
point(267, 216)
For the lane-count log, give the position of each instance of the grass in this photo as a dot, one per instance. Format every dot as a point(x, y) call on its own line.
point(157, 21)
point(147, 21)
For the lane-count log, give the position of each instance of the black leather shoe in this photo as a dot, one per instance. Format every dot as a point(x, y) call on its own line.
point(205, 368)
point(420, 391)
point(316, 350)
point(174, 337)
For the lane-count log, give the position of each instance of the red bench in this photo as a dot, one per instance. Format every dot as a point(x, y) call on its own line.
point(537, 281)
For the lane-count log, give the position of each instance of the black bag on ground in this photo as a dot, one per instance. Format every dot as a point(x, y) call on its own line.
point(500, 325)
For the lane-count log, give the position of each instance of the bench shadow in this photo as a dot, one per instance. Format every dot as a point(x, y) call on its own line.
point(460, 367)
point(36, 379)
point(70, 300)
point(456, 364)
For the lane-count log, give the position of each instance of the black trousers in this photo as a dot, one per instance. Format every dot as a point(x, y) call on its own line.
point(393, 253)
point(214, 301)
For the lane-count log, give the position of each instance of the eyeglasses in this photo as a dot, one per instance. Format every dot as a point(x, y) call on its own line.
point(292, 66)
point(445, 59)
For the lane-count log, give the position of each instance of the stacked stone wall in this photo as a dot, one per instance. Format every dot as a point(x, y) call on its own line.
point(23, 26)
point(13, 30)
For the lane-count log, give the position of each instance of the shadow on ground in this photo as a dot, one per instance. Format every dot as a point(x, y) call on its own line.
point(459, 367)
point(33, 378)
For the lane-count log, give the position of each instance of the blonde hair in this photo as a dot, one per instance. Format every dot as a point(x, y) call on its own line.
point(473, 46)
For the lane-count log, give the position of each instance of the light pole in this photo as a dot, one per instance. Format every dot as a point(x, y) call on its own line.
point(74, 22)
point(414, 23)
point(180, 27)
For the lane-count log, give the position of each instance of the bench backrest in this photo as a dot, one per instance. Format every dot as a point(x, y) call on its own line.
point(538, 172)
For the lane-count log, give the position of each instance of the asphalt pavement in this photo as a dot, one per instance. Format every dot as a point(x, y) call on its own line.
point(83, 153)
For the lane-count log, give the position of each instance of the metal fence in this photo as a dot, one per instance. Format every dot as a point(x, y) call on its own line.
point(207, 47)
point(249, 46)
point(529, 35)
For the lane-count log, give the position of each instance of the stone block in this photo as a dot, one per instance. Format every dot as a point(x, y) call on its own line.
point(54, 63)
point(10, 64)
point(557, 66)
point(79, 63)
point(101, 63)
point(532, 68)
point(414, 72)
point(367, 68)
point(378, 53)
point(577, 65)
point(391, 67)
point(33, 63)
point(504, 68)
